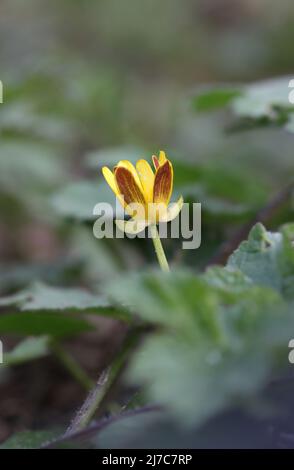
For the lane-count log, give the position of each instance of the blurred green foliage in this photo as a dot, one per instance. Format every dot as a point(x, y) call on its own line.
point(221, 333)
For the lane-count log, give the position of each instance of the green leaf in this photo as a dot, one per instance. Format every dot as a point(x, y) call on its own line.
point(213, 98)
point(25, 188)
point(42, 323)
point(261, 98)
point(41, 297)
point(21, 117)
point(208, 353)
point(43, 169)
point(227, 279)
point(28, 440)
point(156, 298)
point(219, 336)
point(256, 105)
point(77, 200)
point(267, 258)
point(26, 350)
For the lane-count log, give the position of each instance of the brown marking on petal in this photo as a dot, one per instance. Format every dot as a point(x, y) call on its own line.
point(128, 187)
point(155, 161)
point(163, 183)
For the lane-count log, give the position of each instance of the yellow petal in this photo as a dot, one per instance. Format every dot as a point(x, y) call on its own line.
point(129, 166)
point(128, 187)
point(110, 178)
point(131, 226)
point(162, 157)
point(155, 161)
point(146, 176)
point(173, 210)
point(163, 183)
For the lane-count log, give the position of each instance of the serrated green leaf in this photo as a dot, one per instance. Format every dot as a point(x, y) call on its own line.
point(43, 297)
point(267, 259)
point(195, 379)
point(228, 279)
point(220, 334)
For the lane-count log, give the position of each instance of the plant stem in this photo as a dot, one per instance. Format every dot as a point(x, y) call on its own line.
point(89, 407)
point(98, 398)
point(159, 249)
point(71, 365)
point(96, 428)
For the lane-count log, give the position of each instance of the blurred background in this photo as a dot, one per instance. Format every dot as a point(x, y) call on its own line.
point(91, 82)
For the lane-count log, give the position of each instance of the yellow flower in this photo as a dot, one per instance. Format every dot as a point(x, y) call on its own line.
point(145, 195)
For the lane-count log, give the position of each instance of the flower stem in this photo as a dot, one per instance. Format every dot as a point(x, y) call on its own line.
point(159, 249)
